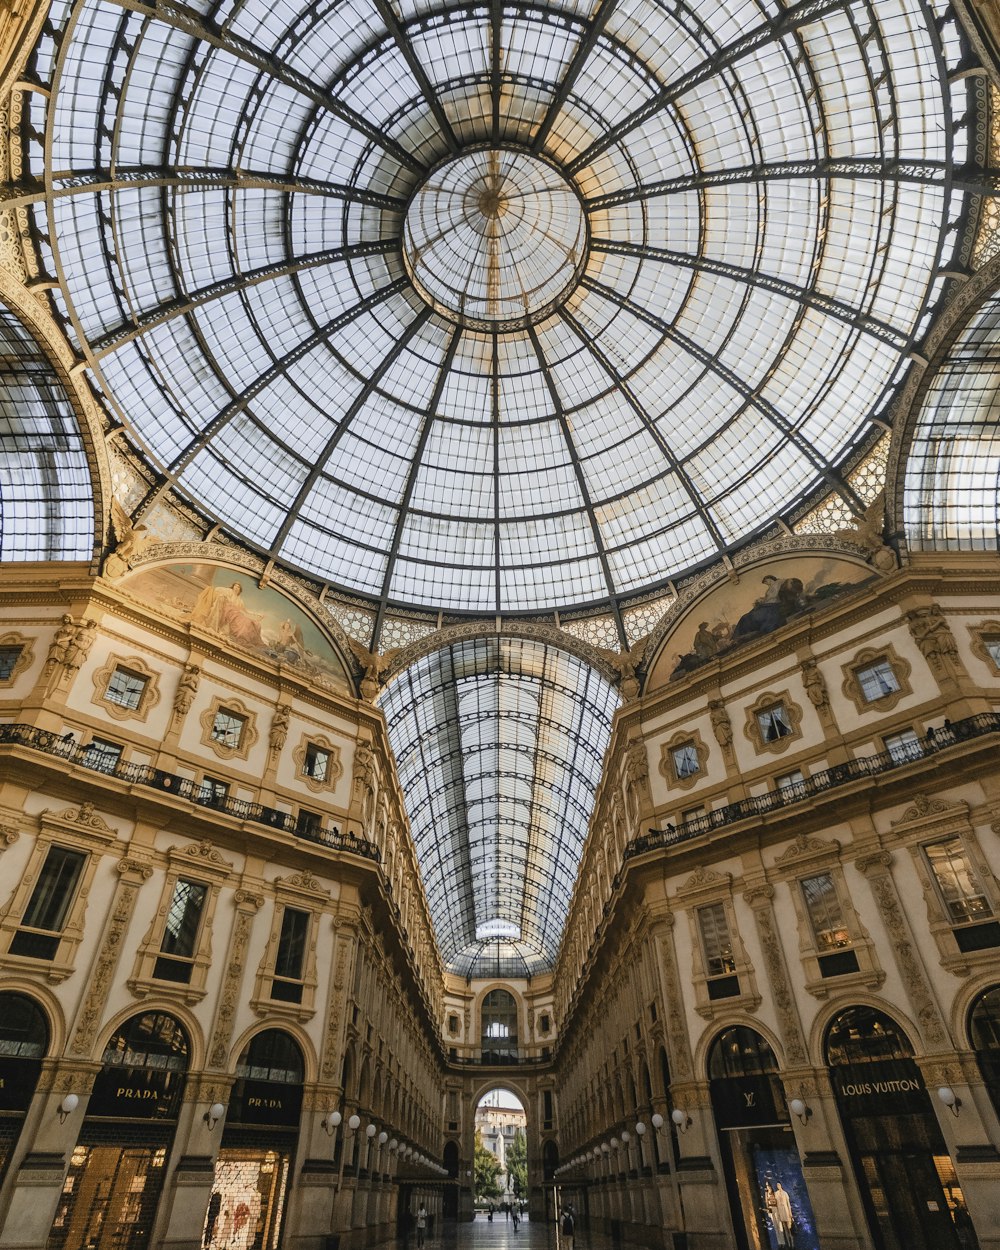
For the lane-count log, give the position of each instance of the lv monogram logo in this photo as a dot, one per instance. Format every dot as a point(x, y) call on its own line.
point(750, 1099)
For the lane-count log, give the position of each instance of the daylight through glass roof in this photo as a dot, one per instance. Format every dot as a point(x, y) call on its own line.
point(496, 308)
point(499, 744)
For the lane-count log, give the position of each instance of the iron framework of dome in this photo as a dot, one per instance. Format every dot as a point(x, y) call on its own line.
point(499, 308)
point(499, 743)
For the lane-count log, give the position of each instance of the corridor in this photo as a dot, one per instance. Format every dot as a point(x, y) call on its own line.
point(500, 1235)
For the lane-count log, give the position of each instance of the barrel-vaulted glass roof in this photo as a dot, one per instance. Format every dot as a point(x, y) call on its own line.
point(494, 307)
point(499, 744)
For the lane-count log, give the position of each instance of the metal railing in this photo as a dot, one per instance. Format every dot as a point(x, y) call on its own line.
point(828, 779)
point(98, 761)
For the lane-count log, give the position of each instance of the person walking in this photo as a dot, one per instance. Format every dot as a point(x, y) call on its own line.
point(515, 1216)
point(421, 1224)
point(567, 1228)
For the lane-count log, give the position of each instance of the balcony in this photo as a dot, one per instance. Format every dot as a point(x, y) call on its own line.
point(67, 749)
point(972, 727)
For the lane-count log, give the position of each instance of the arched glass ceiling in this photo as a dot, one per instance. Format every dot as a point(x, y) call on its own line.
point(497, 308)
point(46, 499)
point(499, 744)
point(951, 495)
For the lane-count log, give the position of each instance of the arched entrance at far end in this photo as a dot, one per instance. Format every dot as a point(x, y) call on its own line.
point(500, 1180)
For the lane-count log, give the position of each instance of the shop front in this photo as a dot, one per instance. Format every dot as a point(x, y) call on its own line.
point(24, 1041)
point(247, 1205)
point(112, 1190)
point(767, 1191)
point(904, 1171)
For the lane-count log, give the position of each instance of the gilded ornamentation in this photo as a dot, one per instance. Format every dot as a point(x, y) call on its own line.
point(133, 873)
point(759, 897)
point(907, 960)
point(247, 905)
point(130, 542)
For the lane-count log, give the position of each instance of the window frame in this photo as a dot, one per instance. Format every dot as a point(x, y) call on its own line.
point(236, 709)
point(867, 658)
point(23, 660)
point(136, 667)
point(766, 704)
point(683, 740)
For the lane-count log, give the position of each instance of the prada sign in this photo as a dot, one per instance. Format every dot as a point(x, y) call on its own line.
point(265, 1102)
point(136, 1093)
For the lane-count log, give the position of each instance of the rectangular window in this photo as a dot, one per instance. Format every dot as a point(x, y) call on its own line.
point(877, 680)
point(101, 755)
point(685, 760)
point(316, 763)
point(180, 933)
point(213, 792)
point(715, 940)
point(290, 960)
point(308, 823)
point(774, 723)
point(825, 912)
point(992, 645)
point(692, 814)
point(903, 746)
point(794, 782)
point(126, 689)
point(9, 657)
point(227, 728)
point(956, 881)
point(45, 916)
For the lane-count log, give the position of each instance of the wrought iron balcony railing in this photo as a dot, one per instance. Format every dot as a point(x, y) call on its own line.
point(819, 783)
point(100, 761)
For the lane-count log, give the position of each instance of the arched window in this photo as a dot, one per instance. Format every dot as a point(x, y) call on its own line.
point(984, 1037)
point(741, 1052)
point(499, 1027)
point(272, 1056)
point(864, 1035)
point(143, 1073)
point(24, 1039)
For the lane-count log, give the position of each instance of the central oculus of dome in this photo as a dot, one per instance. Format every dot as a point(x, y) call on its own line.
point(495, 238)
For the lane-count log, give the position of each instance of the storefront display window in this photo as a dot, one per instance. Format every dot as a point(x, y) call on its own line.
point(905, 1174)
point(767, 1190)
point(248, 1197)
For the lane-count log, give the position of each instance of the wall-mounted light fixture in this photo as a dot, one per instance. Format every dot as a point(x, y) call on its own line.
point(331, 1122)
point(950, 1099)
point(68, 1105)
point(354, 1123)
point(656, 1120)
point(681, 1119)
point(640, 1128)
point(798, 1108)
point(214, 1114)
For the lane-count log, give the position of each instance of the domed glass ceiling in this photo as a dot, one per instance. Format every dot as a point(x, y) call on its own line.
point(498, 308)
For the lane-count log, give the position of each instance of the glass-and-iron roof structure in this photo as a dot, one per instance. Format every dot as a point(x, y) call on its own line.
point(499, 309)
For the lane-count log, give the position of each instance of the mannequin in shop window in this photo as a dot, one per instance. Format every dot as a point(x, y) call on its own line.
point(781, 1215)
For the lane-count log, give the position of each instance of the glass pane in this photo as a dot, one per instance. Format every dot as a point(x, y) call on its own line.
point(963, 896)
point(125, 688)
point(825, 912)
point(228, 728)
point(183, 918)
point(715, 939)
point(9, 657)
point(292, 944)
point(54, 890)
point(877, 680)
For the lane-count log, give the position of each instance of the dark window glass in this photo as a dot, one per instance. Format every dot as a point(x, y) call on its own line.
point(685, 760)
point(317, 762)
point(307, 822)
point(292, 944)
point(272, 1056)
point(183, 918)
point(24, 1030)
point(54, 890)
point(716, 941)
point(125, 688)
point(213, 792)
point(9, 657)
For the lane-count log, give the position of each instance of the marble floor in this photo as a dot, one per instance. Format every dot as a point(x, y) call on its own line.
point(500, 1235)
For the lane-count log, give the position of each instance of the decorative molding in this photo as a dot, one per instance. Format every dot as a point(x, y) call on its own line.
point(247, 905)
point(804, 846)
point(704, 877)
point(815, 684)
point(148, 699)
point(980, 635)
point(679, 1049)
point(187, 688)
point(205, 853)
point(865, 659)
point(759, 897)
point(334, 769)
point(133, 874)
point(924, 807)
point(8, 836)
point(83, 815)
point(71, 645)
point(248, 734)
point(668, 766)
point(762, 703)
point(23, 661)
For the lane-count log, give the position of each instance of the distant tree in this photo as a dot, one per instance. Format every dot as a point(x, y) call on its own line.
point(517, 1163)
point(487, 1171)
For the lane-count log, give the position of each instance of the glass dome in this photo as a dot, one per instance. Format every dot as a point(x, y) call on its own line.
point(492, 308)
